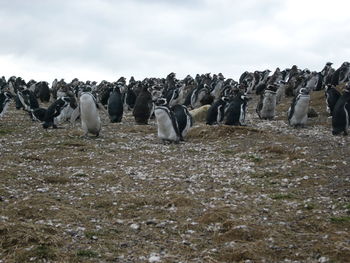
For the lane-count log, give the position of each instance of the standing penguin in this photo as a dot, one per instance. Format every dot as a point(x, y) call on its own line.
point(183, 118)
point(341, 113)
point(332, 96)
point(297, 112)
point(115, 105)
point(236, 110)
point(216, 111)
point(268, 108)
point(4, 100)
point(89, 115)
point(168, 129)
point(143, 106)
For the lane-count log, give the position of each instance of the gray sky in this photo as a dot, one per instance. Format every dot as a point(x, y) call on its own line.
point(106, 39)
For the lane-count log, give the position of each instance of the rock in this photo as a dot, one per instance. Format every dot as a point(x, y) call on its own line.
point(200, 114)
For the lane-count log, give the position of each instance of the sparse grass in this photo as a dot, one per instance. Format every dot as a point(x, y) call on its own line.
point(282, 196)
point(217, 197)
point(91, 235)
point(340, 219)
point(87, 253)
point(5, 132)
point(253, 158)
point(265, 175)
point(228, 151)
point(80, 174)
point(309, 206)
point(57, 180)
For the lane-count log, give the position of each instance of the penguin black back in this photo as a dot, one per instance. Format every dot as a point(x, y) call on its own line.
point(143, 106)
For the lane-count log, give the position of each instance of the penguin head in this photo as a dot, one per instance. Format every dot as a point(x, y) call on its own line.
point(304, 91)
point(161, 102)
point(225, 99)
point(347, 87)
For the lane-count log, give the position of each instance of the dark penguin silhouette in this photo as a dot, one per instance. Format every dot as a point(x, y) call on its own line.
point(115, 105)
point(184, 119)
point(42, 91)
point(215, 114)
point(341, 114)
point(236, 110)
point(332, 96)
point(130, 98)
point(143, 106)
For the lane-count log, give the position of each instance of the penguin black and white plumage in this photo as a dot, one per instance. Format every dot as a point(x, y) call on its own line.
point(341, 113)
point(216, 112)
point(143, 106)
point(67, 110)
point(28, 100)
point(89, 115)
point(236, 110)
point(167, 125)
point(5, 98)
point(52, 111)
point(332, 96)
point(267, 109)
point(115, 105)
point(183, 118)
point(297, 112)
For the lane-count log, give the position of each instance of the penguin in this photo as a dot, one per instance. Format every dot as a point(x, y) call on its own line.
point(67, 110)
point(89, 115)
point(5, 98)
point(215, 114)
point(42, 91)
point(183, 118)
point(297, 112)
point(130, 98)
point(115, 105)
point(341, 113)
point(52, 111)
point(167, 125)
point(143, 106)
point(268, 107)
point(236, 110)
point(332, 96)
point(28, 100)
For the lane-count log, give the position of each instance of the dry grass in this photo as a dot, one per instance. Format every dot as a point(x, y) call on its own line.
point(260, 193)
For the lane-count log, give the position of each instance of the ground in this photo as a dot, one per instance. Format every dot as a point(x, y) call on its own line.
point(261, 193)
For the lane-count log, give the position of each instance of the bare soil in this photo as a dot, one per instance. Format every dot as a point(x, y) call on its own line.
point(261, 193)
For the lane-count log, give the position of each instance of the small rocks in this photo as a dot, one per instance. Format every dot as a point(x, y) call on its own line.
point(135, 226)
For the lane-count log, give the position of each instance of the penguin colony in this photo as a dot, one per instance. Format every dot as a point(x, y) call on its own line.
point(173, 102)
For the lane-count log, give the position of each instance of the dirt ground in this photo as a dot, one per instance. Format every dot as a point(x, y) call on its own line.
point(261, 193)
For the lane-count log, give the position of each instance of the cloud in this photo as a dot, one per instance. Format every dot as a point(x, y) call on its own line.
point(106, 39)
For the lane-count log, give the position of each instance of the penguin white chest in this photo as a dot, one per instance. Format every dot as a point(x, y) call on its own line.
point(166, 130)
point(300, 111)
point(90, 118)
point(269, 106)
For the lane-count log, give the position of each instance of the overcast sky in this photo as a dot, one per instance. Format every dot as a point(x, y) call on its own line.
point(106, 39)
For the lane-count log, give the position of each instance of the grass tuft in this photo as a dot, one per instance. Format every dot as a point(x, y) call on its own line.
point(87, 253)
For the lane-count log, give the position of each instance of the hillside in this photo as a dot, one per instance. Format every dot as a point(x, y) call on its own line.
point(261, 193)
